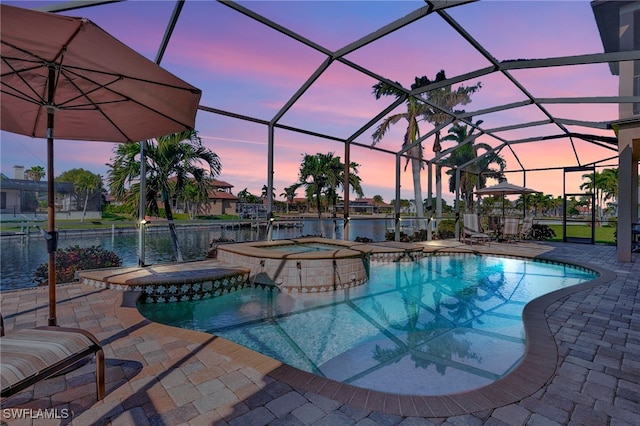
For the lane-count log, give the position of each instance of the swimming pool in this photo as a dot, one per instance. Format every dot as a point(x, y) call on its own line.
point(440, 325)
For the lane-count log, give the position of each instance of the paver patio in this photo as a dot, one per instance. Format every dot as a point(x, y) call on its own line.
point(162, 375)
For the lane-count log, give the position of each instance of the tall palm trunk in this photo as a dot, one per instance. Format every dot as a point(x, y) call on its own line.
point(438, 191)
point(84, 209)
point(416, 168)
point(172, 226)
point(318, 205)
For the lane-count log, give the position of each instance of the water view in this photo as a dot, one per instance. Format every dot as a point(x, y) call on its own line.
point(21, 255)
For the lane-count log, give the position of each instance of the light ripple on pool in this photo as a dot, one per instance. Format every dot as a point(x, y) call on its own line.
point(440, 325)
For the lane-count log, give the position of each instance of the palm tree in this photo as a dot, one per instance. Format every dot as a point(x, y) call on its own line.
point(610, 187)
point(87, 185)
point(171, 162)
point(324, 173)
point(335, 180)
point(596, 183)
point(265, 192)
point(35, 173)
point(538, 201)
point(312, 177)
point(245, 196)
point(412, 133)
point(290, 193)
point(195, 198)
point(477, 173)
point(555, 204)
point(445, 98)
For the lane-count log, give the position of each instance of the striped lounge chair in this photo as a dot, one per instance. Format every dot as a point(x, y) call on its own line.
point(30, 355)
point(472, 231)
point(511, 230)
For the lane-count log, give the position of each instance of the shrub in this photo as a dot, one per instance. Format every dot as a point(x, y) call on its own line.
point(420, 235)
point(75, 258)
point(541, 232)
point(391, 236)
point(446, 229)
point(363, 240)
point(113, 210)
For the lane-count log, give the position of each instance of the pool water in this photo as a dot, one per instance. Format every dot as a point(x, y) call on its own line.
point(441, 325)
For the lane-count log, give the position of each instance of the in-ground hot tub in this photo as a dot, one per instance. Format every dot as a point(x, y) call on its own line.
point(303, 265)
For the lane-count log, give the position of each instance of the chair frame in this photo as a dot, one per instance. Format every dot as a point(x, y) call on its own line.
point(473, 234)
point(509, 234)
point(526, 228)
point(62, 365)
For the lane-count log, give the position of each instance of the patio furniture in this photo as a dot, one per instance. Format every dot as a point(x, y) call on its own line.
point(472, 230)
point(31, 355)
point(527, 227)
point(635, 237)
point(511, 231)
point(494, 227)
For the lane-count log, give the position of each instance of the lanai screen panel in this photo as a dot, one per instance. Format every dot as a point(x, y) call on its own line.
point(250, 64)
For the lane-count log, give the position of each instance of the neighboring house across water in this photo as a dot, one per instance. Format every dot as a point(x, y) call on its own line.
point(366, 206)
point(20, 197)
point(299, 205)
point(220, 200)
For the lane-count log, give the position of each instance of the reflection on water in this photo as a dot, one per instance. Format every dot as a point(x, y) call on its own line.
point(440, 325)
point(20, 256)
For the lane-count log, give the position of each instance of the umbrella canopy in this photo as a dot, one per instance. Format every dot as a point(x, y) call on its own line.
point(102, 90)
point(67, 77)
point(505, 188)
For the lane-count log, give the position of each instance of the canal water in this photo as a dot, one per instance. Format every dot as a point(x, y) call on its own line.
point(21, 255)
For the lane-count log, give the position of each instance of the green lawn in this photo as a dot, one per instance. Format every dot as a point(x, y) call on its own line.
point(604, 234)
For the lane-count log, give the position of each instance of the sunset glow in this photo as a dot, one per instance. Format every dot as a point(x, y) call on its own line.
point(247, 68)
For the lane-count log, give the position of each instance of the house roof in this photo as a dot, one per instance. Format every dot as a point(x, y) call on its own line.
point(214, 182)
point(607, 15)
point(221, 184)
point(32, 185)
point(371, 201)
point(221, 195)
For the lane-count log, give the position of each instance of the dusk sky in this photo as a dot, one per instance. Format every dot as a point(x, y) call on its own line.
point(244, 67)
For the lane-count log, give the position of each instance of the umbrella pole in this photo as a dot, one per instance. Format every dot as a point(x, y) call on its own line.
point(52, 236)
point(51, 212)
point(141, 210)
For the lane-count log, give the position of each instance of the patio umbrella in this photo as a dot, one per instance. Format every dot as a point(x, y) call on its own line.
point(68, 78)
point(505, 188)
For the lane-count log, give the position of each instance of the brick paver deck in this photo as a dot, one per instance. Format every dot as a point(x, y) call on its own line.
point(161, 375)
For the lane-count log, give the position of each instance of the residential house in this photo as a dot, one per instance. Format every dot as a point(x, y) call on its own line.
point(20, 196)
point(366, 206)
point(619, 26)
point(220, 200)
